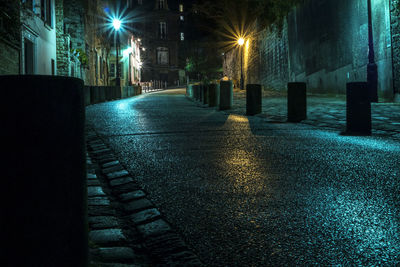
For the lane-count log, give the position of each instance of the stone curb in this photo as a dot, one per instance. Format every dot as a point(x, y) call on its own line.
point(136, 213)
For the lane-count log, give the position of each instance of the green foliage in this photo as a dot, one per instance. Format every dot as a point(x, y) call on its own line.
point(83, 58)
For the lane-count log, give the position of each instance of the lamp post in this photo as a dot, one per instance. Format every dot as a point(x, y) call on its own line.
point(372, 68)
point(241, 42)
point(117, 25)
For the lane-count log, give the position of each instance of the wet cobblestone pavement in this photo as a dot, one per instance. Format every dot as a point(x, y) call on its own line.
point(252, 190)
point(323, 111)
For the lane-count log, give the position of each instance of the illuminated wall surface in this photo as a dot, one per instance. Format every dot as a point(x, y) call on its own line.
point(325, 43)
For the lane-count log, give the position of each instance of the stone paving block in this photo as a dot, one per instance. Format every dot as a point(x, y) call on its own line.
point(110, 164)
point(94, 191)
point(117, 174)
point(157, 227)
point(101, 222)
point(114, 254)
point(91, 176)
point(93, 182)
point(121, 181)
point(106, 158)
point(98, 201)
point(101, 211)
point(138, 205)
point(132, 195)
point(145, 216)
point(125, 188)
point(112, 169)
point(97, 147)
point(107, 236)
point(102, 151)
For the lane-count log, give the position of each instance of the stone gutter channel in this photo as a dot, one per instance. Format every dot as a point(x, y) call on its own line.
point(125, 227)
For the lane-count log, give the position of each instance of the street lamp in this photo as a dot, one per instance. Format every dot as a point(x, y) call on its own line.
point(117, 25)
point(241, 42)
point(372, 68)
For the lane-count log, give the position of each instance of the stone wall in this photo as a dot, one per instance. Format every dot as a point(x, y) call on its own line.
point(10, 34)
point(325, 44)
point(274, 60)
point(9, 58)
point(395, 28)
point(328, 44)
point(96, 47)
point(62, 40)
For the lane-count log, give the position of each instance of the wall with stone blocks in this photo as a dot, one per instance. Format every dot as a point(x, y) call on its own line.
point(395, 27)
point(9, 58)
point(325, 44)
point(328, 44)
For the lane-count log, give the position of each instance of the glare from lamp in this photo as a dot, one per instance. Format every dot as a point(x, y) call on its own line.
point(116, 23)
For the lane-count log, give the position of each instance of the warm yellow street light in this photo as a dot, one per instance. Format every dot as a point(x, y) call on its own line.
point(241, 42)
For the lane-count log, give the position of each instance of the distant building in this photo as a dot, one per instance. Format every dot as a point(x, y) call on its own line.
point(162, 35)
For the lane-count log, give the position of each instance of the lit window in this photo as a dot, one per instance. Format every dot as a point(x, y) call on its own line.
point(161, 4)
point(182, 19)
point(162, 55)
point(182, 36)
point(163, 30)
point(180, 7)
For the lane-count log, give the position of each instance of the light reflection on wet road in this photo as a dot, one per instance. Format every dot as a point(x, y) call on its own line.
point(249, 193)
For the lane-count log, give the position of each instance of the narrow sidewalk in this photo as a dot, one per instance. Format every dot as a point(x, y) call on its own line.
point(322, 111)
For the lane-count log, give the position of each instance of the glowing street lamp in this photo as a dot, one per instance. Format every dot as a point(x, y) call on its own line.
point(117, 26)
point(241, 42)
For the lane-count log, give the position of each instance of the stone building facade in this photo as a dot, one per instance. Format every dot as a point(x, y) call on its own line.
point(325, 44)
point(10, 43)
point(162, 36)
point(82, 49)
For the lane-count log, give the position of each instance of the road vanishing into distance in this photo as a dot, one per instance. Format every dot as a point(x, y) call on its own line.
point(245, 192)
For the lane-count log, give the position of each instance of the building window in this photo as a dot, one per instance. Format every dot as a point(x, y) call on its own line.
point(163, 30)
point(101, 67)
point(161, 4)
point(182, 18)
point(182, 36)
point(28, 57)
point(112, 70)
point(162, 56)
point(53, 67)
point(180, 8)
point(45, 11)
point(121, 70)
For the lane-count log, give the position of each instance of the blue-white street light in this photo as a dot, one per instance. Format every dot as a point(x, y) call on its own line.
point(117, 25)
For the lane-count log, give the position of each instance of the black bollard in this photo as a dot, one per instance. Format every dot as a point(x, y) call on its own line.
point(201, 93)
point(87, 95)
point(296, 102)
point(196, 91)
point(44, 222)
point(225, 95)
point(253, 99)
point(205, 93)
point(213, 95)
point(358, 109)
